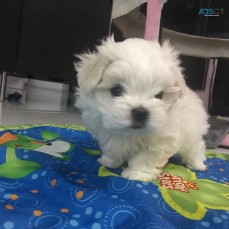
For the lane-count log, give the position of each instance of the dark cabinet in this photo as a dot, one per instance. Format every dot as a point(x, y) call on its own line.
point(10, 22)
point(49, 32)
point(208, 18)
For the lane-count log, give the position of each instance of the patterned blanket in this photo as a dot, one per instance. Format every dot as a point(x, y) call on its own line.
point(49, 178)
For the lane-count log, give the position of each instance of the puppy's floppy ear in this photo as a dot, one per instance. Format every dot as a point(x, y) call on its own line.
point(91, 66)
point(88, 72)
point(172, 59)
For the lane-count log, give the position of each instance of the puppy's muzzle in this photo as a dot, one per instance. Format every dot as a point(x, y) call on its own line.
point(140, 117)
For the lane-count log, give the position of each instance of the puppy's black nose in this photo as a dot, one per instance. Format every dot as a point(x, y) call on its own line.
point(140, 116)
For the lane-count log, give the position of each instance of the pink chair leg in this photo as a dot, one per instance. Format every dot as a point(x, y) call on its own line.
point(153, 18)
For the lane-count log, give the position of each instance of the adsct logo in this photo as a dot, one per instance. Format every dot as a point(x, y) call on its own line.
point(211, 11)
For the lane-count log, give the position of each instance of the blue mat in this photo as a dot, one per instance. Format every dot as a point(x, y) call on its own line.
point(49, 178)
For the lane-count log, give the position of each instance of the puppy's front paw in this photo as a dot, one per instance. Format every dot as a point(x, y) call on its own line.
point(198, 166)
point(140, 175)
point(107, 162)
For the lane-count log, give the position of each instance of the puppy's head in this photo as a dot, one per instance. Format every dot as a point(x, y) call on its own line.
point(128, 84)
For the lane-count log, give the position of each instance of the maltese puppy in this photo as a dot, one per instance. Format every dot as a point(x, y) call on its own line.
point(135, 102)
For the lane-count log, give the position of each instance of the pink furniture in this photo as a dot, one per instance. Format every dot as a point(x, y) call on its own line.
point(153, 19)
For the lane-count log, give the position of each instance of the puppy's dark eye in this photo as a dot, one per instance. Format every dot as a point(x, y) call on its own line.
point(116, 91)
point(159, 95)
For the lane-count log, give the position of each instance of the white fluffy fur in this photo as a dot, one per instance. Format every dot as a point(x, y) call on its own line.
point(176, 123)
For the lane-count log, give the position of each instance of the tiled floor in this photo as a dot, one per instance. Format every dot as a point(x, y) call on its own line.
point(13, 114)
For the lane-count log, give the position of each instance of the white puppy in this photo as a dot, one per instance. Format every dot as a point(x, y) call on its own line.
point(135, 102)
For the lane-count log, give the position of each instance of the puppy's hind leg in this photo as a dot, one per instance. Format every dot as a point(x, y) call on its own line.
point(194, 156)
